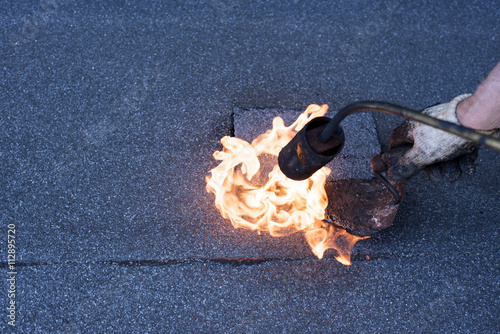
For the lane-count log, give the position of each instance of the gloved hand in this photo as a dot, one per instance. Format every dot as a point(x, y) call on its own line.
point(415, 146)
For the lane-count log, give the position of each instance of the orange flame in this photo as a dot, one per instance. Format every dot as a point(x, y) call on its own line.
point(252, 192)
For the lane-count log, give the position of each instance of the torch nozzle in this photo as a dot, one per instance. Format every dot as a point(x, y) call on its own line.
point(306, 152)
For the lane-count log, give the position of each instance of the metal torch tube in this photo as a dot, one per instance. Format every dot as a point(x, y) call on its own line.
point(394, 109)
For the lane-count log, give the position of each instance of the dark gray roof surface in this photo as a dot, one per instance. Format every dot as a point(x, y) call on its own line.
point(111, 111)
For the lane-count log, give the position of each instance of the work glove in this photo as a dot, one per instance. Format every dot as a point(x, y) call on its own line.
point(414, 147)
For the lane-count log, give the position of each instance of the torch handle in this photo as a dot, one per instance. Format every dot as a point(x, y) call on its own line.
point(397, 110)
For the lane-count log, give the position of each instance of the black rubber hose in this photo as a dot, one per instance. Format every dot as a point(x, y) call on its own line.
point(394, 109)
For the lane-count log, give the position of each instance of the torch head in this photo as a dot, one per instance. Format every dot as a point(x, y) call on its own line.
point(306, 153)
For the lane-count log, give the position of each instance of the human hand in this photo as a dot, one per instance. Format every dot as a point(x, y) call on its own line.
point(414, 147)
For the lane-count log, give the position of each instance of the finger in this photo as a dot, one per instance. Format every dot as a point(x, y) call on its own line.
point(401, 135)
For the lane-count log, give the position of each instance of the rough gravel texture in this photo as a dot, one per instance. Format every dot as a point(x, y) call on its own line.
point(110, 112)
